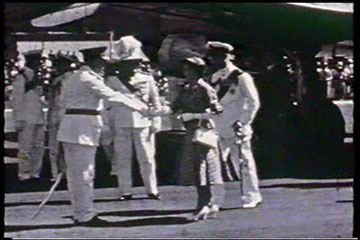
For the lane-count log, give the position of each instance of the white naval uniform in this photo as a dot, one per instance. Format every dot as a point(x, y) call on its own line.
point(240, 102)
point(80, 135)
point(132, 129)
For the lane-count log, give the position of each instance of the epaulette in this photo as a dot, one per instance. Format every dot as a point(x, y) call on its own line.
point(138, 70)
point(233, 76)
point(181, 83)
point(95, 75)
point(235, 73)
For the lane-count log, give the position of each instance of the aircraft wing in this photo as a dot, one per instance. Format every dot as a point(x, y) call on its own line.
point(73, 12)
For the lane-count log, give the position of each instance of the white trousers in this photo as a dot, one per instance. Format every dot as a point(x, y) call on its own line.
point(250, 182)
point(80, 174)
point(144, 142)
point(31, 149)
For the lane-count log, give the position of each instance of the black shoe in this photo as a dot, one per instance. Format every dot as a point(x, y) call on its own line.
point(126, 197)
point(154, 196)
point(94, 222)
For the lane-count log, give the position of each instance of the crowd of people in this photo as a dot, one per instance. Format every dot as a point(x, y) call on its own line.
point(338, 75)
point(111, 99)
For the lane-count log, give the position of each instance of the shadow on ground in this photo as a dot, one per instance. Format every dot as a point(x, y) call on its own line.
point(67, 202)
point(127, 223)
point(140, 213)
point(311, 185)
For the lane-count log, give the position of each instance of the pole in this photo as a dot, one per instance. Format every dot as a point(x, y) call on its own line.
point(111, 43)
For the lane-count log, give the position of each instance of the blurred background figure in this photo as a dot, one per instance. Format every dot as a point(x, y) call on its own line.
point(28, 104)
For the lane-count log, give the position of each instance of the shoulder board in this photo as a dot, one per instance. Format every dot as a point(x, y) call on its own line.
point(142, 71)
point(233, 76)
point(92, 73)
point(235, 73)
point(181, 83)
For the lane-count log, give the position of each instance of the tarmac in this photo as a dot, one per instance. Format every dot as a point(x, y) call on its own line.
point(291, 208)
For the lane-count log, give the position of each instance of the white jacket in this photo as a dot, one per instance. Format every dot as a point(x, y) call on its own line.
point(240, 102)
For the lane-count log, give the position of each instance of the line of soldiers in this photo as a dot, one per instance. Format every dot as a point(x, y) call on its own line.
point(338, 75)
point(111, 99)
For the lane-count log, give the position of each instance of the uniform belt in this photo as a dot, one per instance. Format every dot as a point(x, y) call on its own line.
point(82, 112)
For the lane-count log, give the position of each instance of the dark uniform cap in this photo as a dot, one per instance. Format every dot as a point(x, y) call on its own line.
point(33, 58)
point(219, 46)
point(92, 53)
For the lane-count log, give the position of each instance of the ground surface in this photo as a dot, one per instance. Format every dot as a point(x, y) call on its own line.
point(291, 208)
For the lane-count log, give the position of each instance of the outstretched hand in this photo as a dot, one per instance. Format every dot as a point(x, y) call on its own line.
point(188, 116)
point(158, 111)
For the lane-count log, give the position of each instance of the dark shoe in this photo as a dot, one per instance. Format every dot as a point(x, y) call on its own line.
point(94, 222)
point(154, 196)
point(125, 197)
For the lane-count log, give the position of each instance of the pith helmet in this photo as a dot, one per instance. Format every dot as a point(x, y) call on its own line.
point(125, 49)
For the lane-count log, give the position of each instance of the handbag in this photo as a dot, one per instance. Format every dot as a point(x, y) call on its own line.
point(206, 136)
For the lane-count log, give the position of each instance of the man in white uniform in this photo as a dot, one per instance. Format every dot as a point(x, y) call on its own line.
point(80, 129)
point(133, 129)
point(240, 100)
point(63, 70)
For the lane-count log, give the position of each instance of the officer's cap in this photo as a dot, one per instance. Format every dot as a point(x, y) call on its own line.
point(219, 46)
point(35, 54)
point(33, 58)
point(196, 61)
point(125, 49)
point(92, 53)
